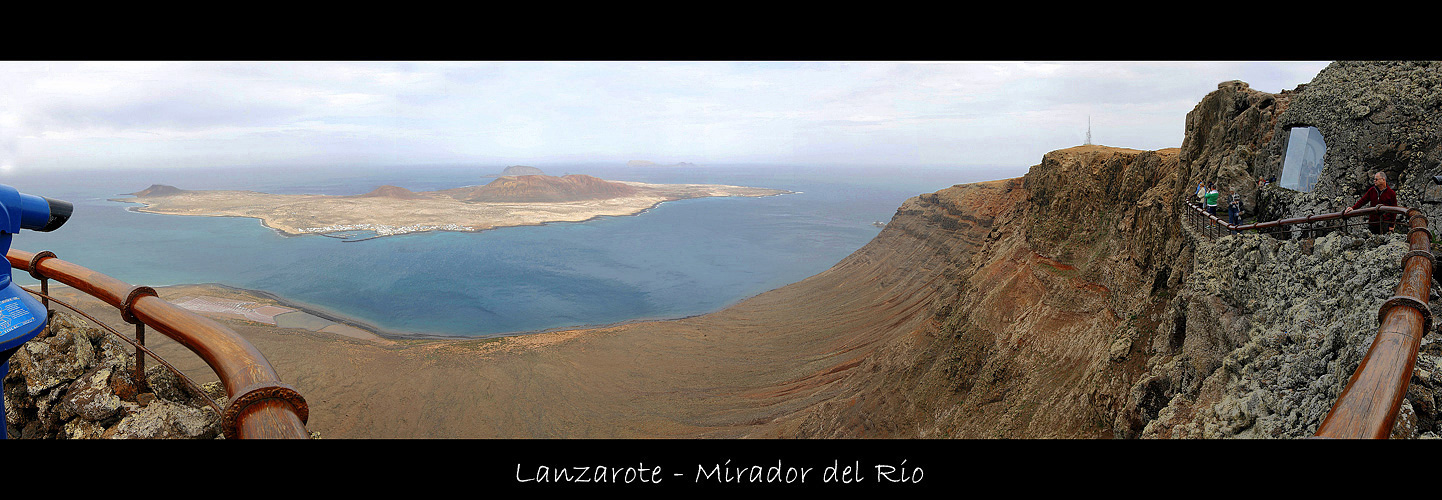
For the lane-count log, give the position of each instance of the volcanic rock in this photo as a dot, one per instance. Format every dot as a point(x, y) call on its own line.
point(75, 382)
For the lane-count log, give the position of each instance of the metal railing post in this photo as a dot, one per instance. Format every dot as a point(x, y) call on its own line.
point(45, 301)
point(140, 354)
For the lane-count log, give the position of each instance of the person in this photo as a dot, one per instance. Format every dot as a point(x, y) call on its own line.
point(1379, 194)
point(1234, 211)
point(1212, 195)
point(1201, 193)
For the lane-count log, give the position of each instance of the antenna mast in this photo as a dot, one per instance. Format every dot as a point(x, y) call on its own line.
point(1089, 130)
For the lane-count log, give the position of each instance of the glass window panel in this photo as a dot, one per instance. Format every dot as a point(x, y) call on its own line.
point(1303, 163)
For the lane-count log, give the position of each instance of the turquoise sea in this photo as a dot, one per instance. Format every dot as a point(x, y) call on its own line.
point(678, 259)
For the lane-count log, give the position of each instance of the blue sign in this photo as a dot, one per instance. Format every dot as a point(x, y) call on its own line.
point(13, 315)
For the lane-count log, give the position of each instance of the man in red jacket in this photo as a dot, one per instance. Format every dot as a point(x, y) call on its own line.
point(1379, 195)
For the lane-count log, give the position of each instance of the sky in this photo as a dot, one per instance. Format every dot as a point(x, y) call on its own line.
point(187, 114)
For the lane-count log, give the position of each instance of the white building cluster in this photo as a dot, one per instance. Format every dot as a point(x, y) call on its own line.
point(381, 230)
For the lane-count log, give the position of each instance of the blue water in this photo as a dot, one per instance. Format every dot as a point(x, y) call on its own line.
point(679, 259)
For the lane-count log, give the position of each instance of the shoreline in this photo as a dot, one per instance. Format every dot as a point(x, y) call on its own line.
point(322, 312)
point(393, 335)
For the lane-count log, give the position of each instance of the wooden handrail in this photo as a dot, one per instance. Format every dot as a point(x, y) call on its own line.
point(1368, 406)
point(260, 407)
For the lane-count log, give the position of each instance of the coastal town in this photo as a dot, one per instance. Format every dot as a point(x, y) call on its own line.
point(380, 230)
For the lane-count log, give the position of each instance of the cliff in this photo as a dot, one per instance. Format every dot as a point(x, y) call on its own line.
point(1074, 303)
point(1023, 303)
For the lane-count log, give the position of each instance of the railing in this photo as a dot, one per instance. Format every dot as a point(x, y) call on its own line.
point(1367, 407)
point(260, 405)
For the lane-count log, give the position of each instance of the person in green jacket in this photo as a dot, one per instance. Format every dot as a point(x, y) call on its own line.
point(1212, 195)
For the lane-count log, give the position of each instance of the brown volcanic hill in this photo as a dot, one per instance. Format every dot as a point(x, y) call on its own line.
point(389, 191)
point(543, 189)
point(158, 190)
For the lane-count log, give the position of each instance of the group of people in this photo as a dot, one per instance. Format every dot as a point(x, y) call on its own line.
point(1208, 196)
point(1378, 194)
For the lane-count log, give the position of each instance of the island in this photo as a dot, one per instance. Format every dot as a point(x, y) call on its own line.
point(392, 210)
point(649, 163)
point(516, 170)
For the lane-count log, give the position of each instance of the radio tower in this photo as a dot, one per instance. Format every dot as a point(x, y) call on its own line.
point(1089, 130)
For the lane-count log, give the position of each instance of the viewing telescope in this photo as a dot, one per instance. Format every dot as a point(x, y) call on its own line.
point(21, 316)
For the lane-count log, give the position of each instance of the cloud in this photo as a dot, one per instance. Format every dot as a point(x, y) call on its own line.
point(178, 113)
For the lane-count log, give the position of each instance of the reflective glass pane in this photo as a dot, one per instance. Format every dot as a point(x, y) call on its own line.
point(1303, 163)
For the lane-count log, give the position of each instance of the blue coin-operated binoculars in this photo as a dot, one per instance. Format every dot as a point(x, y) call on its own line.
point(21, 316)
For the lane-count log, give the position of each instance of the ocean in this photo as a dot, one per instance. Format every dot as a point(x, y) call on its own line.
point(679, 259)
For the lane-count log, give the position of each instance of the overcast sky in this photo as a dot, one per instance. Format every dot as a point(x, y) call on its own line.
point(185, 114)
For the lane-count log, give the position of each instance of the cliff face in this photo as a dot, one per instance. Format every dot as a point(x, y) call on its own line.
point(1073, 303)
point(1037, 285)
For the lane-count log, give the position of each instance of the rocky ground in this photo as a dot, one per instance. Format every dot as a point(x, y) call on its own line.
point(1303, 313)
point(77, 382)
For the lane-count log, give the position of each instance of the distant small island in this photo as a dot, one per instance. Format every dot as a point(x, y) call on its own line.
point(648, 163)
point(519, 200)
point(515, 170)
